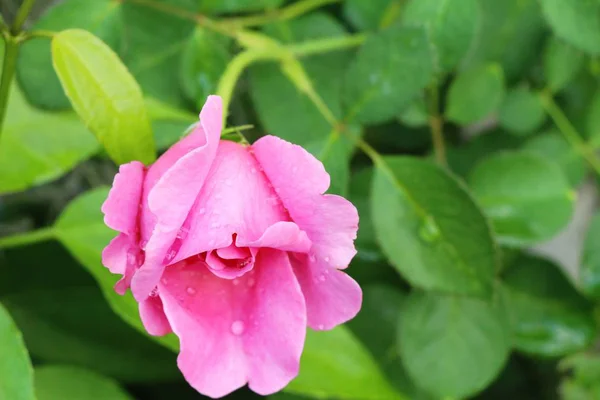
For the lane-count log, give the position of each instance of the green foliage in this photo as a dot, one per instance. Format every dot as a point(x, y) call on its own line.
point(549, 317)
point(527, 197)
point(15, 367)
point(54, 382)
point(460, 129)
point(104, 94)
point(436, 243)
point(391, 68)
point(475, 94)
point(452, 346)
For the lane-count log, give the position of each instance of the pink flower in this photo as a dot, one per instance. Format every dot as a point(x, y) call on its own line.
point(235, 249)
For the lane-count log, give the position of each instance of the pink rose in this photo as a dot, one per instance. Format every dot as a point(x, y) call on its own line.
point(235, 249)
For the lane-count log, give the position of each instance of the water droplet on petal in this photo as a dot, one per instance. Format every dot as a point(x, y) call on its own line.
point(154, 292)
point(322, 278)
point(202, 210)
point(251, 282)
point(312, 258)
point(164, 281)
point(320, 327)
point(326, 259)
point(170, 255)
point(237, 327)
point(235, 282)
point(143, 244)
point(191, 291)
point(253, 170)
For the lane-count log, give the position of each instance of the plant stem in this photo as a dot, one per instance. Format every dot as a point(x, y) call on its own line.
point(23, 239)
point(290, 12)
point(11, 49)
point(21, 16)
point(326, 45)
point(436, 125)
point(568, 130)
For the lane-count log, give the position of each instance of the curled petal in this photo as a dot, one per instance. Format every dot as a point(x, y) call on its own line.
point(122, 205)
point(153, 316)
point(282, 235)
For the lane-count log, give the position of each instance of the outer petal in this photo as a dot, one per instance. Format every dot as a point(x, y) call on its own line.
point(300, 179)
point(283, 235)
point(250, 329)
point(172, 197)
point(153, 316)
point(122, 205)
point(332, 297)
point(235, 199)
point(114, 256)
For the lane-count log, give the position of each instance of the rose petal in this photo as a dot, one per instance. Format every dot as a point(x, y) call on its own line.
point(300, 179)
point(122, 204)
point(172, 197)
point(114, 256)
point(250, 329)
point(153, 316)
point(236, 199)
point(283, 235)
point(332, 297)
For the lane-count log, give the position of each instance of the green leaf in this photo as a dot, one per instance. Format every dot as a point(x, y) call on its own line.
point(453, 25)
point(592, 120)
point(37, 147)
point(334, 364)
point(376, 325)
point(15, 367)
point(562, 62)
point(510, 35)
point(232, 6)
point(575, 21)
point(34, 68)
point(553, 146)
point(453, 346)
point(415, 115)
point(81, 229)
point(430, 229)
point(54, 382)
point(549, 317)
point(527, 197)
point(204, 59)
point(589, 275)
point(153, 44)
point(74, 325)
point(274, 96)
point(475, 94)
point(391, 68)
point(169, 124)
point(521, 112)
point(372, 14)
point(583, 377)
point(104, 94)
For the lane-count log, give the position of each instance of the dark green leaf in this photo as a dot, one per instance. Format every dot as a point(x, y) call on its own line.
point(521, 112)
point(453, 25)
point(205, 57)
point(575, 21)
point(75, 326)
point(153, 44)
point(510, 34)
point(561, 63)
point(553, 146)
point(430, 229)
point(583, 381)
point(104, 94)
point(34, 68)
point(82, 230)
point(169, 124)
point(549, 317)
point(475, 94)
point(592, 120)
point(376, 325)
point(415, 115)
point(15, 367)
point(391, 68)
point(590, 263)
point(335, 365)
point(360, 185)
point(53, 382)
point(37, 147)
point(526, 196)
point(372, 14)
point(453, 346)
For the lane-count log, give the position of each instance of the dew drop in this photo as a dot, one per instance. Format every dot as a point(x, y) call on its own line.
point(320, 327)
point(326, 259)
point(429, 231)
point(143, 244)
point(322, 278)
point(251, 282)
point(253, 170)
point(202, 210)
point(312, 258)
point(154, 292)
point(170, 255)
point(236, 282)
point(191, 291)
point(237, 327)
point(164, 281)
